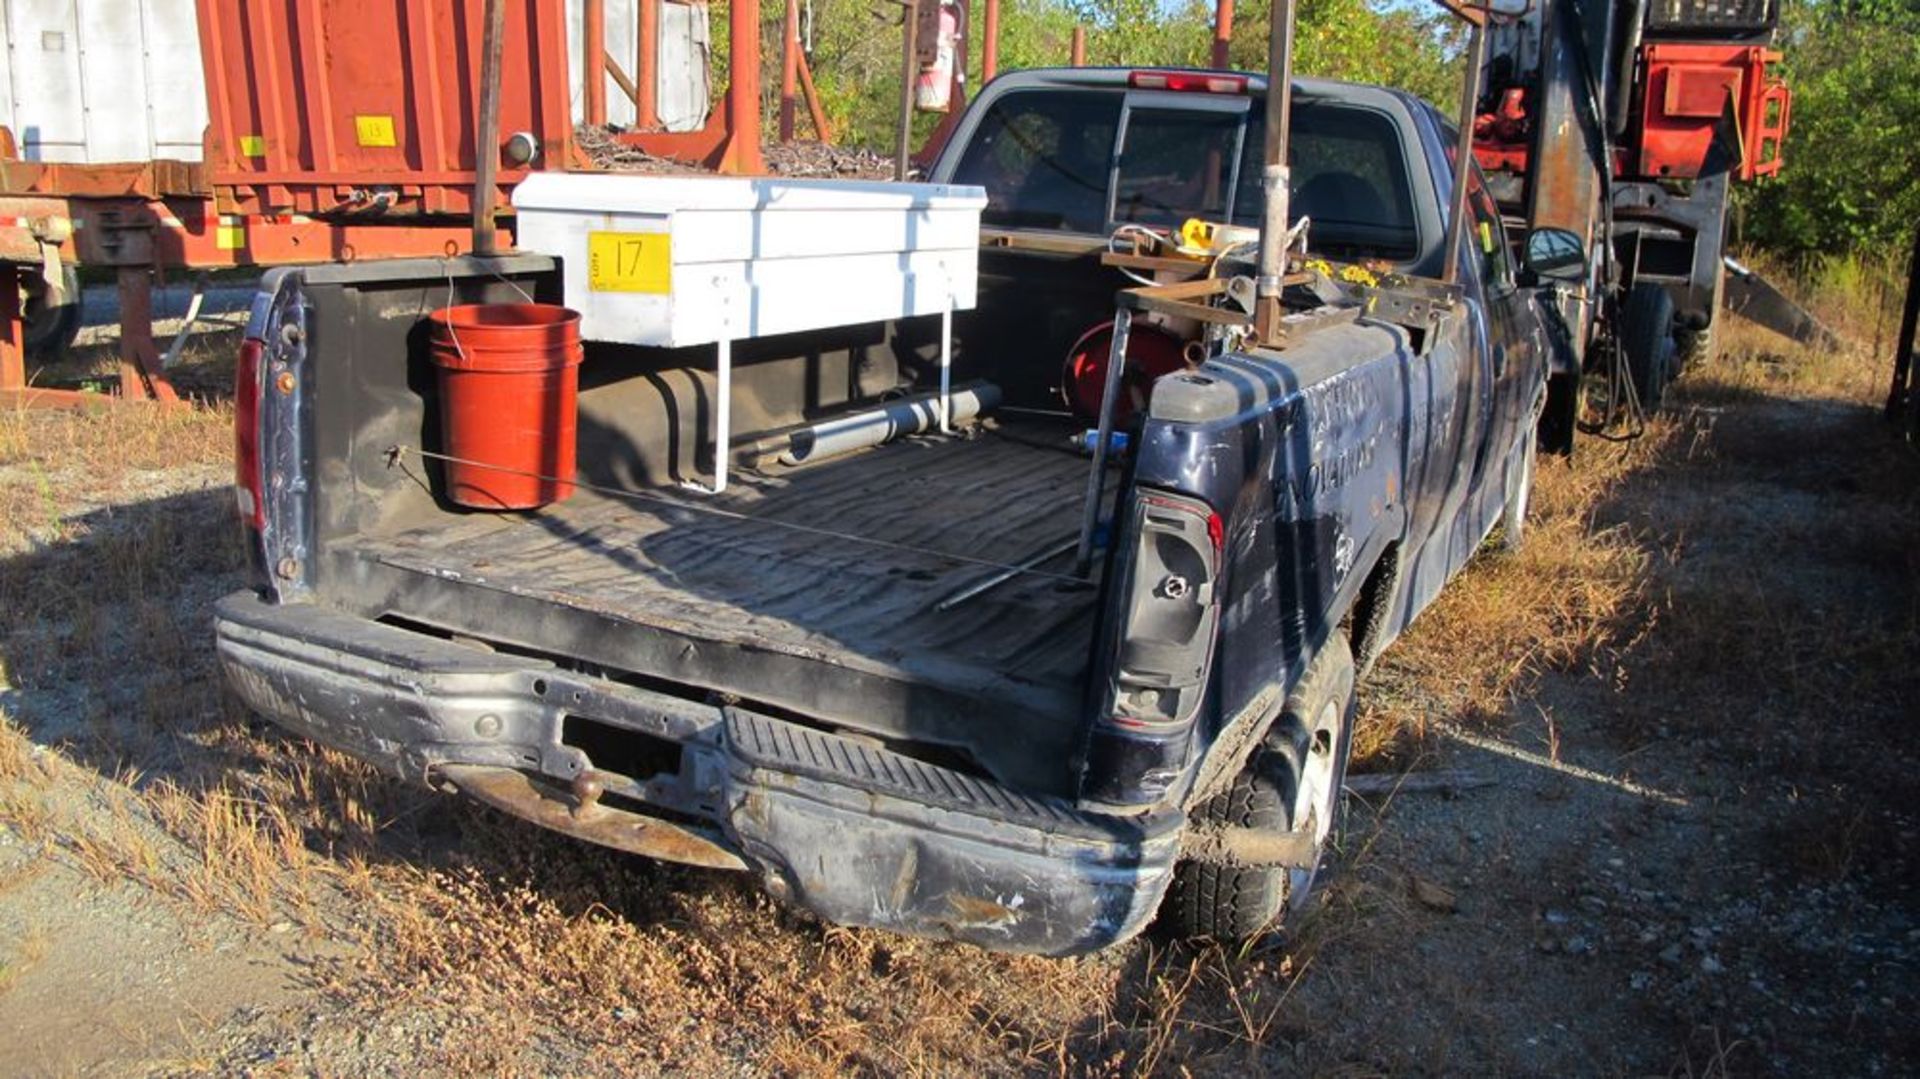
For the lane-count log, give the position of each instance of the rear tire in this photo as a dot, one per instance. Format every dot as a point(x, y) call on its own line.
point(1224, 902)
point(1292, 782)
point(1646, 333)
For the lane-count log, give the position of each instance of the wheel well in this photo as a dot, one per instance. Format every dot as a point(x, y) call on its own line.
point(1367, 620)
point(1562, 410)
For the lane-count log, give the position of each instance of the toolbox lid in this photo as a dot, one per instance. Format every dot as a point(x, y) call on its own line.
point(583, 192)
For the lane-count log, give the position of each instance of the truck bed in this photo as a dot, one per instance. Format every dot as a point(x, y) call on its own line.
point(772, 568)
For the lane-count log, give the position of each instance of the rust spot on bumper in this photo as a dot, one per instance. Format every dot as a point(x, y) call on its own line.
point(975, 912)
point(515, 792)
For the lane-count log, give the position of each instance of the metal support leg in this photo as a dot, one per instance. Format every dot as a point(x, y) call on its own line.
point(722, 417)
point(1096, 479)
point(189, 324)
point(140, 377)
point(946, 367)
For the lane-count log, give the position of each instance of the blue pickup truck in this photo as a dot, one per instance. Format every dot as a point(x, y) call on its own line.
point(881, 680)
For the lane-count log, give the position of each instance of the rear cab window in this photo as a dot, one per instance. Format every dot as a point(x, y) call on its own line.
point(1047, 160)
point(1176, 163)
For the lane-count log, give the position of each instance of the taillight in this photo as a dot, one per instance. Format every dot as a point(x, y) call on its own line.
point(1162, 652)
point(1198, 82)
point(247, 387)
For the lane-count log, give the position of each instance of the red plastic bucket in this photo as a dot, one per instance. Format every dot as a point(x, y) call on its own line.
point(509, 380)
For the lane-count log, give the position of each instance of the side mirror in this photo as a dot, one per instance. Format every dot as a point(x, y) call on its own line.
point(1555, 255)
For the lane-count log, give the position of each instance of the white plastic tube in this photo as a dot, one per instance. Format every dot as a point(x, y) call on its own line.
point(875, 426)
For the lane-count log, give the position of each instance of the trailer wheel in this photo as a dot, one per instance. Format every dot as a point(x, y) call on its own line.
point(50, 329)
point(1647, 337)
point(1292, 782)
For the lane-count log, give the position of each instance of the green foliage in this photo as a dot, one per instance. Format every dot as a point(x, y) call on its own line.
point(856, 48)
point(1851, 178)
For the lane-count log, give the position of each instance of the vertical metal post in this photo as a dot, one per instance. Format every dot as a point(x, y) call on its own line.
point(990, 43)
point(137, 327)
point(723, 390)
point(1077, 54)
point(909, 69)
point(722, 415)
point(1274, 174)
point(1222, 32)
point(1463, 150)
point(946, 364)
point(1901, 399)
point(486, 143)
point(1096, 480)
point(646, 62)
point(789, 69)
point(594, 69)
point(957, 94)
point(741, 157)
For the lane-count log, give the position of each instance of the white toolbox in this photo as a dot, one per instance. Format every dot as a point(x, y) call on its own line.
point(678, 260)
point(674, 261)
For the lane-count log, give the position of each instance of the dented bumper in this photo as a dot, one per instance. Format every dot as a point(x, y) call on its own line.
point(851, 830)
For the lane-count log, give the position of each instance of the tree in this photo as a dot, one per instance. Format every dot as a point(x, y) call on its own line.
point(856, 48)
point(1850, 182)
point(1359, 41)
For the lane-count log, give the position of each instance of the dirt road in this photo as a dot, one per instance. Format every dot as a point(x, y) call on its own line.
point(1676, 836)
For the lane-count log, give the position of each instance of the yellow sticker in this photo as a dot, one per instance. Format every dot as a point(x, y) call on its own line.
point(230, 237)
point(374, 131)
point(1486, 237)
point(629, 262)
point(253, 146)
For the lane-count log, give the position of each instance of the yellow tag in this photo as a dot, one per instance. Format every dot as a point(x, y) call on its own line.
point(629, 262)
point(253, 146)
point(374, 131)
point(230, 237)
point(1486, 237)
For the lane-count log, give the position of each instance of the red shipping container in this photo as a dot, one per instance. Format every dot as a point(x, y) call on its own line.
point(368, 107)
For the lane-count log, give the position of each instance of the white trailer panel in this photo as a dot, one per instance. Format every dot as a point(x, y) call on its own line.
point(683, 97)
point(102, 81)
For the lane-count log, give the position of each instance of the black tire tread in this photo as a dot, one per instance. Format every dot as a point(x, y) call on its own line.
point(1645, 328)
point(1222, 902)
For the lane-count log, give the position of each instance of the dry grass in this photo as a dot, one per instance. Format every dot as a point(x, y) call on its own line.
point(20, 956)
point(248, 852)
point(113, 438)
point(1568, 600)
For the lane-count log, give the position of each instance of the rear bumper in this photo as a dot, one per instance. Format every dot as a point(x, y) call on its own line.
point(855, 832)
